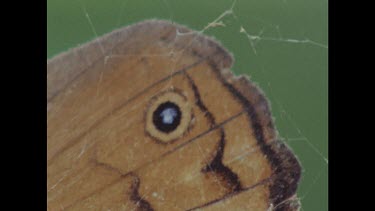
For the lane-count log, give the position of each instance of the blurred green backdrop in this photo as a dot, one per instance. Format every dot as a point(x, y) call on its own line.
point(284, 50)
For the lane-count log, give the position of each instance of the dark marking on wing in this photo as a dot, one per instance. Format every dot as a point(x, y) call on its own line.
point(142, 204)
point(199, 102)
point(284, 164)
point(228, 178)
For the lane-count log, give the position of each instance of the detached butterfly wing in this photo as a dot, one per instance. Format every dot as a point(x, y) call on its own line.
point(149, 117)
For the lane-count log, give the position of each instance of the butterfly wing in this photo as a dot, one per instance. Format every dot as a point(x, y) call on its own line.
point(105, 151)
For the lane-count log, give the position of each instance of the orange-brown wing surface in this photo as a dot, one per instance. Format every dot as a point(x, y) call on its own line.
point(149, 117)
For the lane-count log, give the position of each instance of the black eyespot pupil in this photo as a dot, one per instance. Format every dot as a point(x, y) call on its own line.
point(167, 117)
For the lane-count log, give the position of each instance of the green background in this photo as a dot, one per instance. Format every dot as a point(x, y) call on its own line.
point(293, 74)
